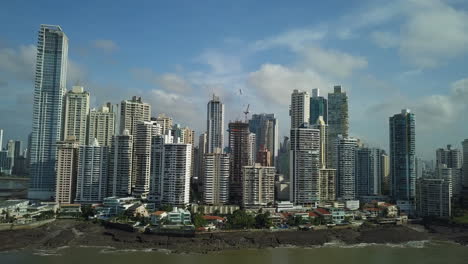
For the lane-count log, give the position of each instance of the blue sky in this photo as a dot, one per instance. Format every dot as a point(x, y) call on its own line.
point(387, 55)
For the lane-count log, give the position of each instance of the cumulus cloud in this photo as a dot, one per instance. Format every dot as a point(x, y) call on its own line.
point(105, 45)
point(220, 63)
point(18, 62)
point(295, 38)
point(169, 82)
point(275, 82)
point(385, 39)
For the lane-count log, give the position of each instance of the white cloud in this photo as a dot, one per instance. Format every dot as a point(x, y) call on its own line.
point(275, 83)
point(385, 39)
point(294, 38)
point(169, 82)
point(18, 62)
point(220, 63)
point(106, 45)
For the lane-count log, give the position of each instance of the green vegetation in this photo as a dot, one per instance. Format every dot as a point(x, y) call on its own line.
point(87, 211)
point(167, 208)
point(45, 215)
point(263, 220)
point(296, 221)
point(198, 220)
point(240, 220)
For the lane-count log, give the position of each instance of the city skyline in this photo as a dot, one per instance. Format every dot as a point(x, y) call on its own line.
point(250, 66)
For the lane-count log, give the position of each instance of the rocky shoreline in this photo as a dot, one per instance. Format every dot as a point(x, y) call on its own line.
point(79, 233)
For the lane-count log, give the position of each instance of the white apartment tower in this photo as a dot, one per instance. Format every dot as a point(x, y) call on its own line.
point(345, 151)
point(176, 174)
point(300, 108)
point(215, 124)
point(305, 165)
point(165, 122)
point(49, 90)
point(145, 131)
point(216, 178)
point(67, 163)
point(92, 173)
point(133, 112)
point(156, 169)
point(258, 185)
point(76, 110)
point(101, 124)
point(119, 182)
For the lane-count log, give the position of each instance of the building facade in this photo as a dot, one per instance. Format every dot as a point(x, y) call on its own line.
point(67, 165)
point(133, 112)
point(434, 197)
point(240, 150)
point(265, 128)
point(76, 110)
point(402, 155)
point(345, 164)
point(338, 120)
point(216, 178)
point(318, 107)
point(299, 109)
point(176, 174)
point(258, 185)
point(49, 90)
point(119, 182)
point(101, 125)
point(215, 124)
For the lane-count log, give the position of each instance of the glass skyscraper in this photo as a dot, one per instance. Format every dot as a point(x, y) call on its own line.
point(402, 155)
point(50, 87)
point(318, 107)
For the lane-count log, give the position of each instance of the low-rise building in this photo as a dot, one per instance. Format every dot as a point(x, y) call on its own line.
point(157, 217)
point(179, 216)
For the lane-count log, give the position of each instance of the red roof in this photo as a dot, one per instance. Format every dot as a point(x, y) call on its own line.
point(159, 212)
point(312, 214)
point(213, 217)
point(322, 211)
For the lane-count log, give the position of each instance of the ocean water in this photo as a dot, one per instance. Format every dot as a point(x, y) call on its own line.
point(421, 252)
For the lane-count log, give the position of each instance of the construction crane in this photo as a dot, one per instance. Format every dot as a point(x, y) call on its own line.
point(246, 113)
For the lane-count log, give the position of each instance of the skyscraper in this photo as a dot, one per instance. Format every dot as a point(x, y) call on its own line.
point(91, 186)
point(157, 165)
point(76, 110)
point(338, 123)
point(265, 128)
point(67, 167)
point(402, 155)
point(145, 131)
point(215, 124)
point(369, 171)
point(434, 197)
point(119, 182)
point(216, 178)
point(323, 128)
point(465, 162)
point(240, 153)
point(101, 124)
point(165, 122)
point(258, 185)
point(1, 139)
point(305, 165)
point(300, 108)
point(318, 107)
point(450, 157)
point(50, 85)
point(345, 164)
point(385, 173)
point(133, 112)
point(176, 174)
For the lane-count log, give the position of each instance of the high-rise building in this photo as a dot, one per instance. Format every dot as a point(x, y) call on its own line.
point(176, 174)
point(402, 155)
point(345, 151)
point(258, 185)
point(119, 182)
point(215, 124)
point(11, 155)
point(283, 160)
point(145, 131)
point(265, 128)
point(452, 175)
point(49, 90)
point(67, 165)
point(75, 112)
point(1, 139)
point(369, 171)
point(338, 123)
point(133, 112)
point(101, 125)
point(385, 173)
point(157, 165)
point(434, 197)
point(253, 148)
point(165, 122)
point(178, 133)
point(323, 128)
point(240, 154)
point(465, 162)
point(305, 165)
point(327, 184)
point(318, 107)
point(263, 157)
point(452, 158)
point(216, 178)
point(91, 186)
point(202, 150)
point(299, 109)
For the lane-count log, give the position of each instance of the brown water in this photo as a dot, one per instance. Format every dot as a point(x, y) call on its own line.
point(413, 252)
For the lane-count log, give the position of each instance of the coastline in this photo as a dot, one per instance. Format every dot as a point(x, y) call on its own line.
point(73, 233)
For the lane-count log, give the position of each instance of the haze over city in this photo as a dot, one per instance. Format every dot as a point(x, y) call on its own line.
point(386, 55)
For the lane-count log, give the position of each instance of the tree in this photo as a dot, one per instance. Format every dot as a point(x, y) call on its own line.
point(87, 211)
point(295, 220)
point(263, 220)
point(198, 220)
point(239, 219)
point(165, 207)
